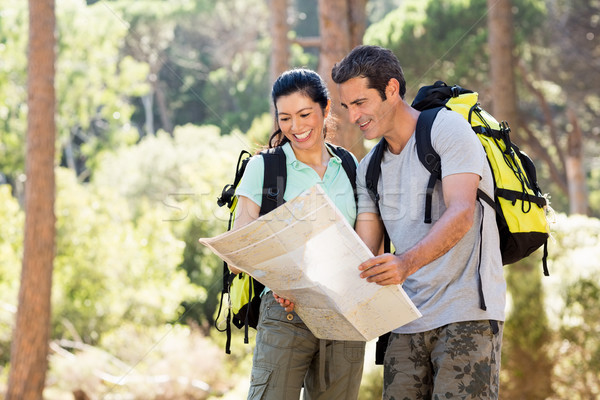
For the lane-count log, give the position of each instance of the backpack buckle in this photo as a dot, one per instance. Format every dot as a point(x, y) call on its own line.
point(454, 90)
point(226, 196)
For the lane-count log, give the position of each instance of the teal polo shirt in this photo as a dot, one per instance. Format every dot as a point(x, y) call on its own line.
point(301, 177)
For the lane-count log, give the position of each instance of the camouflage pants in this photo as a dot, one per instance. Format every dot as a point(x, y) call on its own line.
point(456, 361)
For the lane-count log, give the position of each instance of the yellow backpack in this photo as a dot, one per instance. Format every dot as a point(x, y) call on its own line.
point(520, 205)
point(518, 201)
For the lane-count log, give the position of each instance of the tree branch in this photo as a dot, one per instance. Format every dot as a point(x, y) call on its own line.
point(311, 41)
point(547, 112)
point(557, 175)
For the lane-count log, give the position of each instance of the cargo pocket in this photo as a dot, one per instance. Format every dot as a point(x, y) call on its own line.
point(354, 351)
point(274, 311)
point(259, 381)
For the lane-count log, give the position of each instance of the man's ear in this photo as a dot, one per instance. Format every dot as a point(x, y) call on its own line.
point(392, 88)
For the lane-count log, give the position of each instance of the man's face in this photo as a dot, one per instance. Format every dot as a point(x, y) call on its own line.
point(366, 108)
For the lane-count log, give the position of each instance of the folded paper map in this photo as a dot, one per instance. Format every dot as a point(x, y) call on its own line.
point(306, 251)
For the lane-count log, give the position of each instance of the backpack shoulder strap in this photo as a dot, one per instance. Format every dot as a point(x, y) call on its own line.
point(374, 170)
point(347, 163)
point(228, 194)
point(371, 181)
point(427, 155)
point(275, 178)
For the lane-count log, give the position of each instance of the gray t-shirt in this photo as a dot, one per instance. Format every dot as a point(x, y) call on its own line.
point(446, 290)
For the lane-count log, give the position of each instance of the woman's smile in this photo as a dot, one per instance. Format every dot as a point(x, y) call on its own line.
point(301, 137)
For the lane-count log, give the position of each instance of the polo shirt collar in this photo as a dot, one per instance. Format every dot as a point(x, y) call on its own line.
point(290, 156)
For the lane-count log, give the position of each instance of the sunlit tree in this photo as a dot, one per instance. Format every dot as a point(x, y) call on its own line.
point(30, 341)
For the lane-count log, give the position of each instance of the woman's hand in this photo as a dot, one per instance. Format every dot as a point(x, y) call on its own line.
point(286, 304)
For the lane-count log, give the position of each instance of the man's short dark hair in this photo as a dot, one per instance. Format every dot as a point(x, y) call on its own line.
point(375, 63)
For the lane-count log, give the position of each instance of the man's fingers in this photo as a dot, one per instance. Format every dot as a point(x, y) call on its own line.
point(378, 277)
point(373, 261)
point(369, 272)
point(383, 276)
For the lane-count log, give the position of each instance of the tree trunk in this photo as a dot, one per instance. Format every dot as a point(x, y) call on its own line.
point(502, 63)
point(341, 25)
point(358, 21)
point(163, 110)
point(148, 102)
point(280, 44)
point(280, 47)
point(525, 361)
point(30, 340)
point(578, 199)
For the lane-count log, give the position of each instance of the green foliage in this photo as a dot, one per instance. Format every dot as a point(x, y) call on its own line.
point(180, 177)
point(594, 191)
point(235, 94)
point(13, 86)
point(573, 301)
point(446, 40)
point(260, 130)
point(93, 84)
point(301, 58)
point(371, 385)
point(110, 268)
point(11, 248)
point(378, 9)
point(527, 335)
point(581, 347)
point(210, 62)
point(442, 40)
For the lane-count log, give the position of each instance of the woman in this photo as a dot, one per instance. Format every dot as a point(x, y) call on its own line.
point(287, 355)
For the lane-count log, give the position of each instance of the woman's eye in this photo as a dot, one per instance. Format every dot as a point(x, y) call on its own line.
point(304, 115)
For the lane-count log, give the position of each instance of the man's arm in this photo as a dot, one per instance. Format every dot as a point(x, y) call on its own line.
point(246, 211)
point(369, 228)
point(460, 191)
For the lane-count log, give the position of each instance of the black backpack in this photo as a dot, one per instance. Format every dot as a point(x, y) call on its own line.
point(274, 183)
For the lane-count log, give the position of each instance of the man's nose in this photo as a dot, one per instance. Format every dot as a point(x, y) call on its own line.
point(353, 115)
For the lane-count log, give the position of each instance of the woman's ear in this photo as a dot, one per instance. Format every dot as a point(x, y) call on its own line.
point(327, 108)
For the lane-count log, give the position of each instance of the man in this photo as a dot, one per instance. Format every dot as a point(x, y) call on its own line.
point(454, 349)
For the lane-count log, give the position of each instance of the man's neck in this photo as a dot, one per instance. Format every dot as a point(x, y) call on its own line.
point(405, 123)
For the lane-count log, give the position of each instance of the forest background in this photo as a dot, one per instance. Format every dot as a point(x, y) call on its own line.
point(154, 101)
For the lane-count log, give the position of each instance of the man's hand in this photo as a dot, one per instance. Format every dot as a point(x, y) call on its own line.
point(386, 269)
point(286, 304)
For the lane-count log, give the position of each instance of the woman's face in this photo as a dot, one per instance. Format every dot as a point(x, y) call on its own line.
point(301, 120)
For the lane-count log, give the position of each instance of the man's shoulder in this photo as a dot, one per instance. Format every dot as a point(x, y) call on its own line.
point(450, 117)
point(450, 125)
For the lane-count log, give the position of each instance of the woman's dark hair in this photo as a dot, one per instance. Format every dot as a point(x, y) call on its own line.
point(302, 80)
point(375, 63)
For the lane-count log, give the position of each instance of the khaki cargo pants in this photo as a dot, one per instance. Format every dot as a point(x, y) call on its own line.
point(288, 356)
